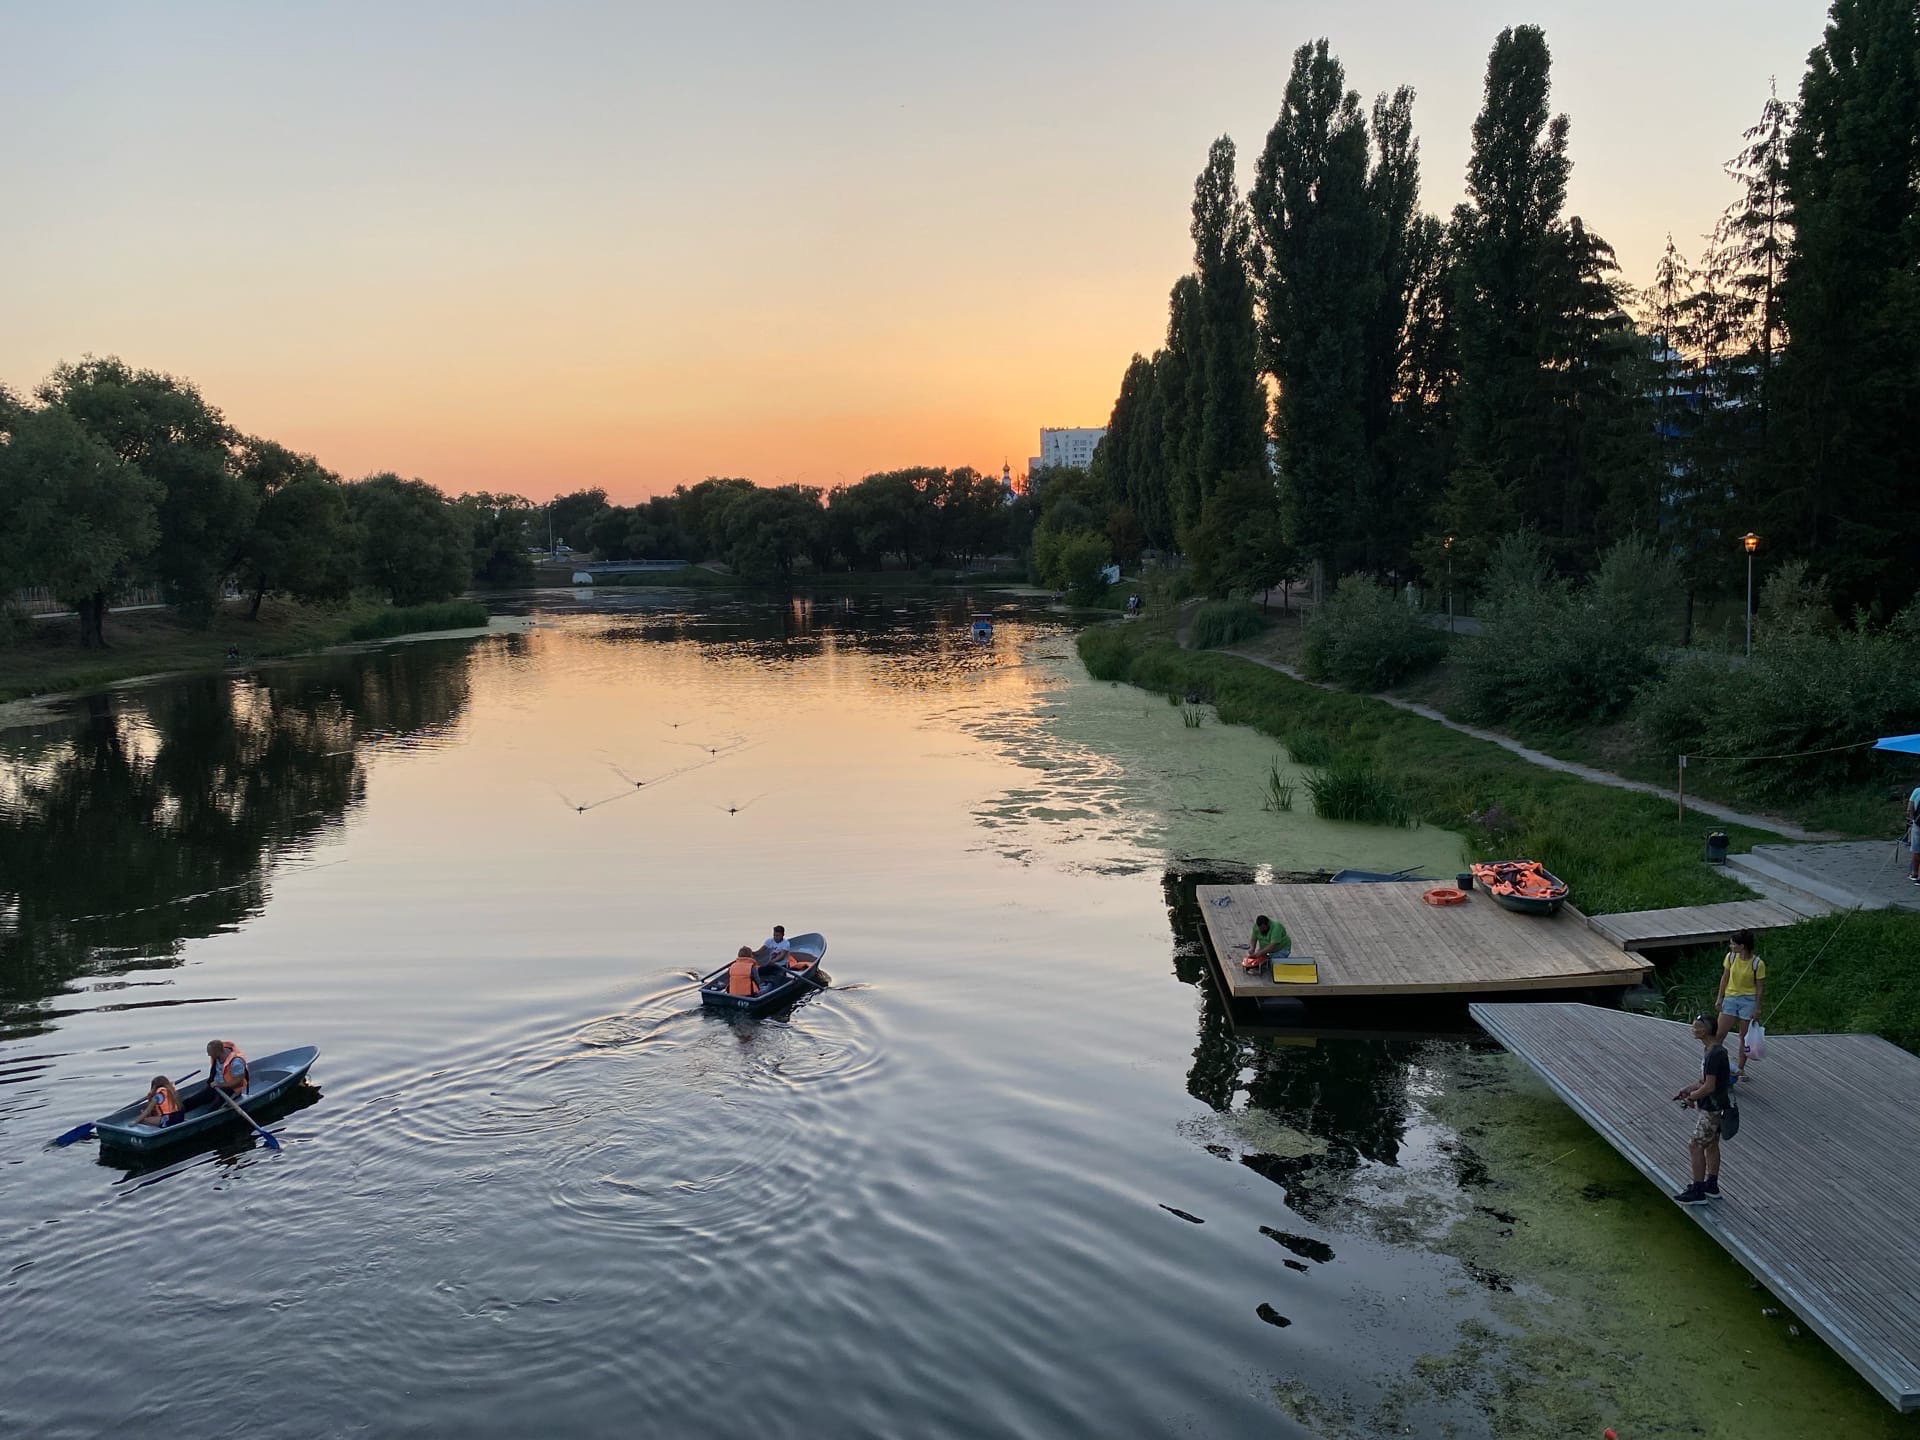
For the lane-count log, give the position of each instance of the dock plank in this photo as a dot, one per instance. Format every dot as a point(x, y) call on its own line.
point(1691, 924)
point(1819, 1180)
point(1381, 939)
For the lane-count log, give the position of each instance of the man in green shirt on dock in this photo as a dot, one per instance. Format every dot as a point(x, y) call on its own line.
point(1270, 941)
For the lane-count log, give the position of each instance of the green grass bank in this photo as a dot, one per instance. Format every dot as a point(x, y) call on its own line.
point(49, 659)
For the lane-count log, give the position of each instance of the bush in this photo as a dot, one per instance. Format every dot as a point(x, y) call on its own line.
point(16, 626)
point(1071, 561)
point(1764, 723)
point(1351, 789)
point(1310, 747)
point(1226, 622)
point(413, 619)
point(1362, 638)
point(1555, 654)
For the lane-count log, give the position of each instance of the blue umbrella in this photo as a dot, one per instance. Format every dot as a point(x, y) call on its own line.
point(1905, 744)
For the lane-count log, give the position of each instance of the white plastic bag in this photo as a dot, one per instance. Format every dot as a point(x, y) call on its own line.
point(1756, 1040)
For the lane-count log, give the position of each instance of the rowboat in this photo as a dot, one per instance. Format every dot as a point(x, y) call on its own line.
point(268, 1078)
point(799, 980)
point(1522, 885)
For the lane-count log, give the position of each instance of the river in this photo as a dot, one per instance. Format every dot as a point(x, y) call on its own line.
point(1014, 1173)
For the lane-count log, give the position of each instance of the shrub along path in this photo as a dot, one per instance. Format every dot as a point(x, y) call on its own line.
point(1549, 762)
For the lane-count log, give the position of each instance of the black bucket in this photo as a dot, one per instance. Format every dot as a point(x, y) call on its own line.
point(1464, 880)
point(1716, 847)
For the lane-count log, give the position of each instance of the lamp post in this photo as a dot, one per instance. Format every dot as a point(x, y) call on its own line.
point(1447, 545)
point(1752, 542)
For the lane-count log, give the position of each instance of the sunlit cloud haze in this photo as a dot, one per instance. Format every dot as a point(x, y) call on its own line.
point(535, 247)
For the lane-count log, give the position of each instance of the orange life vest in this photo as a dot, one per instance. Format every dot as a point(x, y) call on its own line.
point(740, 977)
point(232, 1067)
point(163, 1101)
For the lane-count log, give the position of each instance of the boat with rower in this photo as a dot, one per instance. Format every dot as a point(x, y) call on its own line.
point(800, 975)
point(201, 1112)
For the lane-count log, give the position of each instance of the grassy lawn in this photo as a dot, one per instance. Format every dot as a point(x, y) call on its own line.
point(147, 642)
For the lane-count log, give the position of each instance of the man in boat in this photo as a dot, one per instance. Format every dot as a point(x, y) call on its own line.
point(775, 945)
point(228, 1071)
point(1710, 1100)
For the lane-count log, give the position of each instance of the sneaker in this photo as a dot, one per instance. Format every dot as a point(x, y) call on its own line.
point(1695, 1194)
point(1712, 1187)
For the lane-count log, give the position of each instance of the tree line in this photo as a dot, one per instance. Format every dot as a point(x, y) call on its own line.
point(113, 477)
point(1350, 383)
point(921, 516)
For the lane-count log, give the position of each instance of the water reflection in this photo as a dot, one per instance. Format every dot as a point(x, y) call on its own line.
point(147, 818)
point(1353, 1095)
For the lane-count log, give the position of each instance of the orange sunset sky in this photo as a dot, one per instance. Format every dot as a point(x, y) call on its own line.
point(531, 248)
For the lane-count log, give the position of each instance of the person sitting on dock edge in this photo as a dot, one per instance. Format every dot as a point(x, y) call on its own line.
point(228, 1072)
point(163, 1103)
point(1270, 941)
point(1709, 1099)
point(1743, 985)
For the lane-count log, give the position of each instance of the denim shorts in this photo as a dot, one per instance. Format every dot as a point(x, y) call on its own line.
point(1740, 1007)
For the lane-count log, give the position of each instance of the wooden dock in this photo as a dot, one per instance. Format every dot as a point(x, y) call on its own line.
point(1691, 924)
point(1382, 939)
point(1819, 1182)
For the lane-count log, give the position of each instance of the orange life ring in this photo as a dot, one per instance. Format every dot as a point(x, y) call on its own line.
point(1445, 895)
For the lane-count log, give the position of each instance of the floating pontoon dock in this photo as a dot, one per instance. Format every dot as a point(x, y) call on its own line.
point(1383, 939)
point(1819, 1183)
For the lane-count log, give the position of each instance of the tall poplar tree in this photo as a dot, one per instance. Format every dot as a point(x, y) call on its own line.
point(1321, 283)
point(1850, 300)
point(1510, 266)
point(1230, 408)
point(1404, 442)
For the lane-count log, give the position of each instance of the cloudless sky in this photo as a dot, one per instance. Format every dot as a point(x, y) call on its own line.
point(531, 247)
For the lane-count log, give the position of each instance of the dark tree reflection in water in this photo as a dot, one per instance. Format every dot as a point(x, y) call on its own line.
point(1354, 1092)
point(147, 818)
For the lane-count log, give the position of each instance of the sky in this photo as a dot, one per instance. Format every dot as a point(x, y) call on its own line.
point(536, 247)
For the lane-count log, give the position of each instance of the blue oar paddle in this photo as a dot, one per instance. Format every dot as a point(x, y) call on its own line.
point(233, 1105)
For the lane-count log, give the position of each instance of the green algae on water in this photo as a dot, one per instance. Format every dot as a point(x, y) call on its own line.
point(1613, 1307)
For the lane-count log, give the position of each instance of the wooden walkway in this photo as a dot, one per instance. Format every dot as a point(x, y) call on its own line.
point(1691, 924)
point(1819, 1183)
point(1381, 939)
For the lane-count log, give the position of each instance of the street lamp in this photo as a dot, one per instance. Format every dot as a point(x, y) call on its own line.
point(1752, 542)
point(1447, 545)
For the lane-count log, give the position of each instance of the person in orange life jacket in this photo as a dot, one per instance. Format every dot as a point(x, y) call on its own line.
point(163, 1103)
point(228, 1072)
point(740, 974)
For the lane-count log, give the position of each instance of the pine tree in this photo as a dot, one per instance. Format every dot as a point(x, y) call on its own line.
point(1754, 239)
point(1850, 303)
point(1663, 320)
point(1321, 283)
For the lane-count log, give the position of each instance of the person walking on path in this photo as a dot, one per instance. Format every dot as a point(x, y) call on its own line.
point(1743, 985)
point(1913, 836)
point(1708, 1100)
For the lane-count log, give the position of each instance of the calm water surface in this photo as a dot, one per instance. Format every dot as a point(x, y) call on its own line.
point(1015, 1174)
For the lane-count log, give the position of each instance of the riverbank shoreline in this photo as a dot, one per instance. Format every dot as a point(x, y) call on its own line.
point(149, 645)
point(1618, 849)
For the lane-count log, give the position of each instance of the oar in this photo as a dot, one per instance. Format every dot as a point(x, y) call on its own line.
point(233, 1105)
point(82, 1132)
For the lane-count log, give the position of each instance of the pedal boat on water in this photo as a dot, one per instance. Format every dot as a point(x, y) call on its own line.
point(201, 1113)
point(800, 978)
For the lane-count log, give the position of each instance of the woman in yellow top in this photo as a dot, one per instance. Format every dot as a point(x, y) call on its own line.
point(1743, 984)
